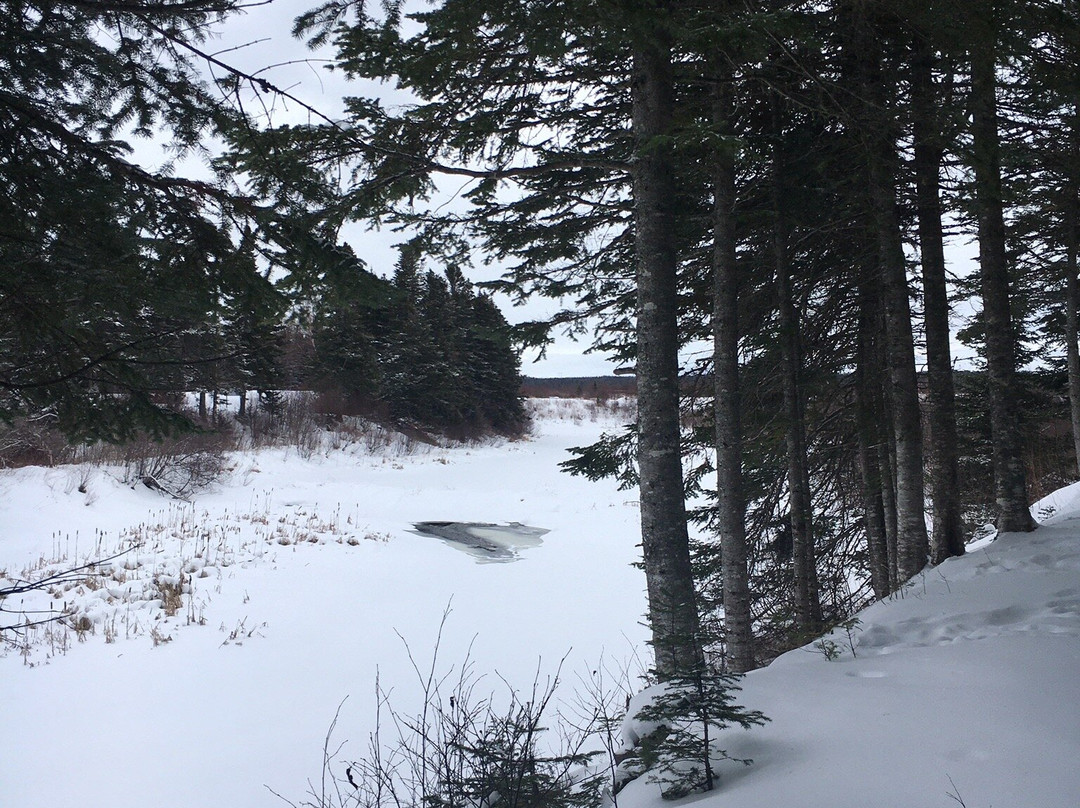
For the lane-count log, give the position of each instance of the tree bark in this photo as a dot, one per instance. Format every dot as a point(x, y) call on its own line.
point(804, 562)
point(672, 606)
point(912, 545)
point(869, 416)
point(947, 538)
point(877, 126)
point(1010, 485)
point(886, 447)
point(887, 463)
point(1072, 284)
point(730, 505)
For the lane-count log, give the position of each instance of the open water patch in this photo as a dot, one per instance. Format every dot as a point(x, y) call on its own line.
point(483, 540)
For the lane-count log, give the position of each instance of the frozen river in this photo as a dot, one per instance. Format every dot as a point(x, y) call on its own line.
point(306, 584)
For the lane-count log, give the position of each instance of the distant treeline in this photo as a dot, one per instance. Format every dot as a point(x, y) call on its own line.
point(422, 349)
point(579, 387)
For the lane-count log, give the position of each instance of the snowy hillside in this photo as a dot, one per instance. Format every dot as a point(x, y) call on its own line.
point(295, 582)
point(963, 687)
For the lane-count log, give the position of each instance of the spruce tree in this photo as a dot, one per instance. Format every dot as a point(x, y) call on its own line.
point(928, 124)
point(352, 329)
point(1010, 485)
point(112, 270)
point(688, 711)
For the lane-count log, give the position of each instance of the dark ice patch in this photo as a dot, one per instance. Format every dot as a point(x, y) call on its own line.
point(484, 540)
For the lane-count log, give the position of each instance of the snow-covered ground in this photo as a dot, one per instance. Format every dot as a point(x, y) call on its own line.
point(304, 573)
point(296, 580)
point(964, 686)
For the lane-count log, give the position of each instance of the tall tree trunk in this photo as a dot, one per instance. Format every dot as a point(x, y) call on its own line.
point(887, 463)
point(887, 452)
point(948, 537)
point(669, 579)
point(877, 127)
point(730, 506)
point(1010, 485)
point(870, 414)
point(1072, 284)
point(807, 603)
point(912, 545)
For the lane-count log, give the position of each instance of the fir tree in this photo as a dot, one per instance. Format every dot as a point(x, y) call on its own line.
point(687, 713)
point(114, 274)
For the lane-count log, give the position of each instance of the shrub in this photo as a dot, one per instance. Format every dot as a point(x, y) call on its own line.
point(178, 466)
point(680, 719)
point(33, 441)
point(463, 749)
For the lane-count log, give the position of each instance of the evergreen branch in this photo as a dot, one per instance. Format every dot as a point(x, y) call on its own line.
point(34, 118)
point(421, 165)
point(167, 8)
point(91, 363)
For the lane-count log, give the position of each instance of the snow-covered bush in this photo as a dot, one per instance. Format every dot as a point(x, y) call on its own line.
point(178, 467)
point(32, 440)
point(463, 749)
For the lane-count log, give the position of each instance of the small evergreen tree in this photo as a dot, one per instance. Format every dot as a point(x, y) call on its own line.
point(687, 711)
